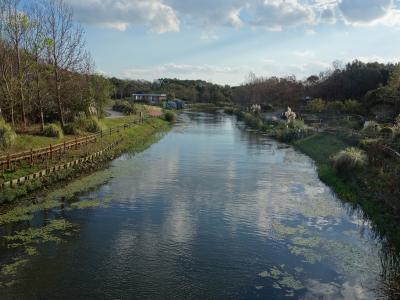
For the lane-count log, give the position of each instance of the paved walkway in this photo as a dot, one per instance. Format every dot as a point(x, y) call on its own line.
point(112, 114)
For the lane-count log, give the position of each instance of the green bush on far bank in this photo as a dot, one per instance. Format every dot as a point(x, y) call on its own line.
point(336, 107)
point(124, 107)
point(7, 135)
point(169, 116)
point(82, 124)
point(53, 130)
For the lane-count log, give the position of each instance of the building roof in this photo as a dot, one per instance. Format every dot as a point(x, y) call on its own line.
point(151, 95)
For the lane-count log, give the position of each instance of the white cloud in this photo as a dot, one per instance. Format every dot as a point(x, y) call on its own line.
point(121, 14)
point(364, 12)
point(275, 15)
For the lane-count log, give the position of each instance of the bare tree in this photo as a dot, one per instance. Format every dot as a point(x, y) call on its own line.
point(16, 28)
point(66, 47)
point(36, 46)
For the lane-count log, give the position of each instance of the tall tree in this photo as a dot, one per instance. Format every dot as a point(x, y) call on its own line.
point(16, 28)
point(66, 52)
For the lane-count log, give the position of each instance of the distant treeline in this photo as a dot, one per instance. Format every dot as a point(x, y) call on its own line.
point(189, 90)
point(375, 86)
point(46, 74)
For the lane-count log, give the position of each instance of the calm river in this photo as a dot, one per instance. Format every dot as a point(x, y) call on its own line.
point(210, 211)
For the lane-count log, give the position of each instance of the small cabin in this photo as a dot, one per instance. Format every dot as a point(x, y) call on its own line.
point(153, 99)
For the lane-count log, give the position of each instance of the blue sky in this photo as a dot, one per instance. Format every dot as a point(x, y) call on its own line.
point(224, 40)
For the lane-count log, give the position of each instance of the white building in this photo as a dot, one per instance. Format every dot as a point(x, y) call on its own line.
point(149, 98)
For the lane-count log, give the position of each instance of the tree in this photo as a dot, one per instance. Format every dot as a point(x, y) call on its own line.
point(16, 28)
point(66, 48)
point(101, 89)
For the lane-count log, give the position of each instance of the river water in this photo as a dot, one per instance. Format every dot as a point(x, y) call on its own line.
point(210, 211)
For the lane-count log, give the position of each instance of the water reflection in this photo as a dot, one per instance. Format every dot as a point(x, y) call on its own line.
point(211, 211)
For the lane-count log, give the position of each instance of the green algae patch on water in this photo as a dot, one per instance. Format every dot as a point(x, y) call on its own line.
point(284, 231)
point(95, 203)
point(31, 251)
point(307, 242)
point(282, 280)
point(24, 212)
point(309, 255)
point(27, 239)
point(32, 236)
point(12, 268)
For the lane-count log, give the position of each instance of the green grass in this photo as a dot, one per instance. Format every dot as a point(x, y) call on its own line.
point(321, 147)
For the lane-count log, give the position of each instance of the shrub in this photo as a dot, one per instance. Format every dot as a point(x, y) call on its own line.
point(348, 160)
point(353, 107)
point(252, 121)
point(292, 131)
point(7, 135)
point(82, 123)
point(230, 110)
point(53, 130)
point(297, 124)
point(169, 116)
point(93, 125)
point(371, 127)
point(316, 105)
point(124, 106)
point(268, 107)
point(72, 129)
point(286, 135)
point(367, 143)
point(387, 131)
point(335, 106)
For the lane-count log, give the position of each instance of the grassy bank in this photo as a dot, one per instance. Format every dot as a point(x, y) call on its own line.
point(360, 188)
point(374, 188)
point(134, 138)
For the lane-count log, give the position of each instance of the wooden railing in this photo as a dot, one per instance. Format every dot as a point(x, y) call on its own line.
point(7, 162)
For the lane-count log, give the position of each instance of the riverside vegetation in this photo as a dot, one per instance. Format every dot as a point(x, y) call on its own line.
point(350, 161)
point(132, 139)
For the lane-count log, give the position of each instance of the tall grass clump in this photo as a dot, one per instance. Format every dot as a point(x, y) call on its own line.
point(84, 124)
point(53, 130)
point(371, 127)
point(348, 160)
point(7, 135)
point(169, 116)
point(93, 125)
point(294, 130)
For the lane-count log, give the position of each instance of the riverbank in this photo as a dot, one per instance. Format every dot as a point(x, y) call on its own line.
point(364, 188)
point(371, 188)
point(132, 138)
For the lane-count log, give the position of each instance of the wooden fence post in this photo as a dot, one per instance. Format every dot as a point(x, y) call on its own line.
point(31, 157)
point(76, 144)
point(8, 161)
point(65, 147)
point(51, 152)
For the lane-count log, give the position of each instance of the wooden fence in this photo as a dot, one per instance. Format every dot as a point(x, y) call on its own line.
point(7, 162)
point(51, 170)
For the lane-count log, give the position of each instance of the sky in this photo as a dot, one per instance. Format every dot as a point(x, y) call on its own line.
point(222, 41)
